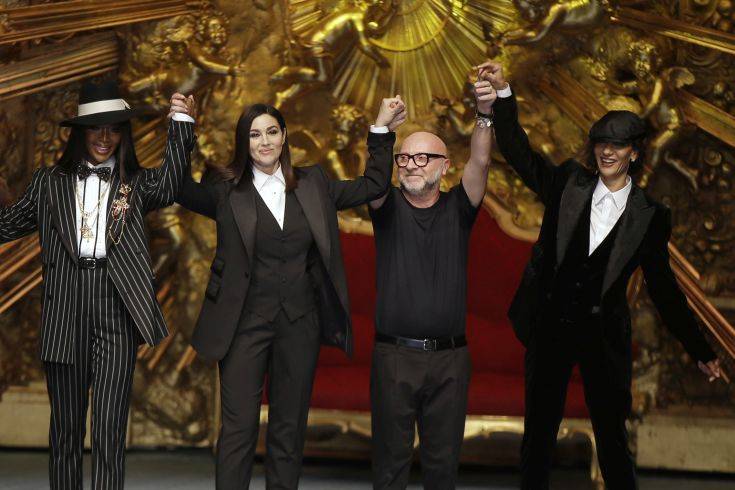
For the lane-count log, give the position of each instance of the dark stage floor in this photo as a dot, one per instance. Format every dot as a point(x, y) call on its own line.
point(193, 470)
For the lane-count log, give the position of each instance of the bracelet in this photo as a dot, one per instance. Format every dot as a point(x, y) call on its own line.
point(483, 122)
point(484, 116)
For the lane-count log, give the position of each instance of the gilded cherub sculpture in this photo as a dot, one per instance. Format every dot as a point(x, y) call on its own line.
point(364, 21)
point(569, 15)
point(665, 115)
point(184, 54)
point(655, 87)
point(459, 115)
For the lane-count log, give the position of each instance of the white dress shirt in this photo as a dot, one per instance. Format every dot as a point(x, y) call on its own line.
point(93, 190)
point(607, 207)
point(272, 188)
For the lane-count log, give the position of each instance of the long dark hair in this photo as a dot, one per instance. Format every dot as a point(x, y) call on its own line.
point(242, 164)
point(76, 151)
point(587, 157)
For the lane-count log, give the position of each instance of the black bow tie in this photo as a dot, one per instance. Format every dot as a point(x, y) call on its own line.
point(103, 173)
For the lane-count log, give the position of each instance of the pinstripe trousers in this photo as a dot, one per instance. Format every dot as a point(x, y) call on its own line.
point(105, 360)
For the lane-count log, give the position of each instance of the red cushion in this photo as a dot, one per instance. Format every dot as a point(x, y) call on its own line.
point(495, 266)
point(494, 347)
point(358, 253)
point(501, 394)
point(348, 388)
point(342, 388)
point(496, 263)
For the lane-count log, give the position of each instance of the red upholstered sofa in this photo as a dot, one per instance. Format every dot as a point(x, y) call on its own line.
point(496, 263)
point(339, 419)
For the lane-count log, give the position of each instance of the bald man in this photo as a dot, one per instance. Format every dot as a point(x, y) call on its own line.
point(421, 367)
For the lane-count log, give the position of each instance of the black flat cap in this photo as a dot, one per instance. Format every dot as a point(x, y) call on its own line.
point(618, 127)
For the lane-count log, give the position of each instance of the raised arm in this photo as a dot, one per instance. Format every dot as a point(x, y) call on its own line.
point(21, 219)
point(532, 167)
point(374, 182)
point(474, 178)
point(161, 185)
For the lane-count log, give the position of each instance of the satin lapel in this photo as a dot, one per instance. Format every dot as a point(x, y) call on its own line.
point(574, 198)
point(62, 201)
point(636, 218)
point(113, 226)
point(242, 201)
point(311, 202)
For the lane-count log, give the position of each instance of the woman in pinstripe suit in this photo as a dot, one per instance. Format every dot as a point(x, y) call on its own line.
point(98, 301)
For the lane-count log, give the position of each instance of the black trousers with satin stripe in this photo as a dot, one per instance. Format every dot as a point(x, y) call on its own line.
point(287, 353)
point(550, 358)
point(409, 387)
point(106, 347)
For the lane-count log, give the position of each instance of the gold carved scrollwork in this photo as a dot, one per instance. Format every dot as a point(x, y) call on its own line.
point(327, 63)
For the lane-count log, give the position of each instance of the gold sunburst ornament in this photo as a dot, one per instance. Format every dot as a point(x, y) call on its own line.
point(362, 50)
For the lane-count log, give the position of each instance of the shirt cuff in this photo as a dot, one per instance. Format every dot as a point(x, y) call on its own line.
point(505, 93)
point(379, 129)
point(180, 116)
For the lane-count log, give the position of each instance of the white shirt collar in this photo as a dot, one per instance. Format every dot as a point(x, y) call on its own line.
point(620, 197)
point(260, 178)
point(110, 162)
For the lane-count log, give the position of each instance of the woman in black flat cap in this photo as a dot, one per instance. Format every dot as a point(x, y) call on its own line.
point(99, 302)
point(571, 306)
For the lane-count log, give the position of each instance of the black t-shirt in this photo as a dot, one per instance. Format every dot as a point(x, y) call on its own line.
point(422, 264)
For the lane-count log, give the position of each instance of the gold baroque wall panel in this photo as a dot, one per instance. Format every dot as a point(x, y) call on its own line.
point(327, 64)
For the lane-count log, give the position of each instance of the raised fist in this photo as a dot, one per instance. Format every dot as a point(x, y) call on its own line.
point(392, 113)
point(485, 96)
point(492, 71)
point(182, 105)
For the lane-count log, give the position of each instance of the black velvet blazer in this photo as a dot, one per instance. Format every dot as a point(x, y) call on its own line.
point(642, 240)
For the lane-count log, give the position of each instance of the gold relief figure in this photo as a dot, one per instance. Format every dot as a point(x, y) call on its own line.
point(344, 158)
point(635, 67)
point(459, 115)
point(362, 20)
point(655, 87)
point(166, 225)
point(570, 15)
point(343, 155)
point(668, 120)
point(184, 54)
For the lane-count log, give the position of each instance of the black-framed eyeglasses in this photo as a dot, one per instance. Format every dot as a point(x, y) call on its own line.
point(419, 159)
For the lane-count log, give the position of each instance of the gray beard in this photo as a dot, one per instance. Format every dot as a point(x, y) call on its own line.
point(421, 189)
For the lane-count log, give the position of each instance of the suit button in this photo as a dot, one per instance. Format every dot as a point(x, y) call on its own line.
point(283, 280)
point(247, 274)
point(49, 296)
point(578, 285)
point(548, 296)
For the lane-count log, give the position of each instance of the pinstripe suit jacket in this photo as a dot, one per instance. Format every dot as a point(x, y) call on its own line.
point(49, 206)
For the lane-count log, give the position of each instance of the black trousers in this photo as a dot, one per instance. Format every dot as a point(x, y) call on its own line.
point(287, 352)
point(407, 387)
point(106, 347)
point(549, 361)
